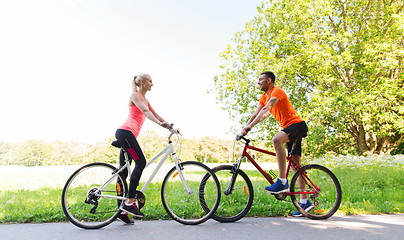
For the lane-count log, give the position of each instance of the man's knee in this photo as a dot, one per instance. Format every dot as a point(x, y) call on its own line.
point(279, 139)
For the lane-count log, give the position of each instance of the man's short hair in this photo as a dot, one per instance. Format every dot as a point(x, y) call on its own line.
point(270, 75)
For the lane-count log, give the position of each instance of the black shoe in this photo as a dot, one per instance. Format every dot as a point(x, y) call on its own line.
point(125, 218)
point(132, 209)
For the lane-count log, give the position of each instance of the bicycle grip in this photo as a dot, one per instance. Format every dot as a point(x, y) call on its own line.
point(164, 125)
point(239, 136)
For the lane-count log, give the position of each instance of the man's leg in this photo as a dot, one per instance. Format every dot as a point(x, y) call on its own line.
point(304, 201)
point(300, 182)
point(279, 140)
point(281, 185)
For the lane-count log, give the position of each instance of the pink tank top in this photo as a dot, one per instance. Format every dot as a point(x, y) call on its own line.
point(135, 120)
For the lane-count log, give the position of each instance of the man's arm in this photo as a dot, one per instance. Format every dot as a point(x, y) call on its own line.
point(260, 115)
point(257, 111)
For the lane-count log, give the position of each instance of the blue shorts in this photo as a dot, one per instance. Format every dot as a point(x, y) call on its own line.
point(296, 131)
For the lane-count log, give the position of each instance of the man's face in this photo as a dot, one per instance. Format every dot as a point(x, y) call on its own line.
point(263, 82)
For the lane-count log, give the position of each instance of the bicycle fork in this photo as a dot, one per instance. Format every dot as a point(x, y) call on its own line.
point(234, 170)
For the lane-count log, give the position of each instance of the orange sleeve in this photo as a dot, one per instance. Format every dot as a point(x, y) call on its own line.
point(278, 93)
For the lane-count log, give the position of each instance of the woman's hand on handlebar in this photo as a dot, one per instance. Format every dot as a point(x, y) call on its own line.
point(170, 127)
point(166, 125)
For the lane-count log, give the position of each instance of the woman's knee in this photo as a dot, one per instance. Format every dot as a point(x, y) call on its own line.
point(140, 164)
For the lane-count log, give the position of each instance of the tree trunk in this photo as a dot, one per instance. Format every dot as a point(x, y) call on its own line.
point(362, 146)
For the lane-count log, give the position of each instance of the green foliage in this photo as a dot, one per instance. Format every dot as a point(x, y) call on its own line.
point(371, 185)
point(30, 153)
point(40, 153)
point(399, 149)
point(4, 153)
point(42, 205)
point(341, 63)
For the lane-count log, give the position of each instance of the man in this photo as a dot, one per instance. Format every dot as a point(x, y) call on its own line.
point(275, 101)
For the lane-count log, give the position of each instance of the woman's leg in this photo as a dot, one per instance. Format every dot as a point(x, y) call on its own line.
point(124, 174)
point(130, 144)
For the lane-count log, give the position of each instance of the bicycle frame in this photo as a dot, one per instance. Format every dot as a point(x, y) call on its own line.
point(267, 177)
point(166, 152)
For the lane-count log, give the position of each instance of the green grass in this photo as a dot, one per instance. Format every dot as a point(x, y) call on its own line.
point(372, 188)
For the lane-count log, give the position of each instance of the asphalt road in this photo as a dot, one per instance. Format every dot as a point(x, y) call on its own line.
point(278, 228)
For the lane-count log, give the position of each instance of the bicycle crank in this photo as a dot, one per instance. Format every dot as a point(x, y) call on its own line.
point(280, 196)
point(141, 199)
point(92, 199)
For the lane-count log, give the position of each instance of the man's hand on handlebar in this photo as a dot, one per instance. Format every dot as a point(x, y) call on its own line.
point(244, 132)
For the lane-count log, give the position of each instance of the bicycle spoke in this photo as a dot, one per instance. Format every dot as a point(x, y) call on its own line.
point(326, 199)
point(236, 203)
point(186, 206)
point(81, 201)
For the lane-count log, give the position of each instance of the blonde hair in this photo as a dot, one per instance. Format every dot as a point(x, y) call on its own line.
point(136, 81)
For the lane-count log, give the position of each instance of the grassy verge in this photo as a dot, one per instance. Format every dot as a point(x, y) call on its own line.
point(370, 186)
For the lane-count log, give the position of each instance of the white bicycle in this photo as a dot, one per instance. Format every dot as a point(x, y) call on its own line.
point(93, 194)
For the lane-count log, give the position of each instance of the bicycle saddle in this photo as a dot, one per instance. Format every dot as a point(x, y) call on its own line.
point(116, 144)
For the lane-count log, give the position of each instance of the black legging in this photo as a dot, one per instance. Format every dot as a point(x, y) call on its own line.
point(130, 144)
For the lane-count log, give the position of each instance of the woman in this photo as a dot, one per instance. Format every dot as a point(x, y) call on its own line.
point(127, 133)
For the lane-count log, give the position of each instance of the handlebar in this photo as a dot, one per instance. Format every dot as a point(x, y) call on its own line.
point(173, 131)
point(241, 137)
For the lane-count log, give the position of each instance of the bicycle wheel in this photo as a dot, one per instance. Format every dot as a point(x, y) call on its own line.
point(184, 206)
point(327, 200)
point(235, 205)
point(84, 204)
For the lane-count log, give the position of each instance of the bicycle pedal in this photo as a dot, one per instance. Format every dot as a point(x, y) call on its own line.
point(271, 174)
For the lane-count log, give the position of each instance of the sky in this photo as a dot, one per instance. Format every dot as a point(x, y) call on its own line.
point(66, 67)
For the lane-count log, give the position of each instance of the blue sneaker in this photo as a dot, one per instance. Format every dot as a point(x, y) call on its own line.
point(307, 207)
point(278, 187)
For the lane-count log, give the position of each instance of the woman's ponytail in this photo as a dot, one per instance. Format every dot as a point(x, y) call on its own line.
point(136, 83)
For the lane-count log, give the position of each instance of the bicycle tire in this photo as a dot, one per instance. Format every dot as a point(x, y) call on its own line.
point(327, 201)
point(186, 207)
point(82, 207)
point(236, 205)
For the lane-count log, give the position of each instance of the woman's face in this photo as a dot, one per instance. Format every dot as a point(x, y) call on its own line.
point(148, 83)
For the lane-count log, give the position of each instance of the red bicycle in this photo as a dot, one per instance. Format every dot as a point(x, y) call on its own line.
point(315, 181)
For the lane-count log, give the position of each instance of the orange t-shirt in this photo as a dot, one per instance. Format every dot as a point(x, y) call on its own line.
point(283, 111)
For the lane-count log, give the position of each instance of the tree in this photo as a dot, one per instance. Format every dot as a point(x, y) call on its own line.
point(5, 149)
point(211, 150)
point(30, 153)
point(340, 61)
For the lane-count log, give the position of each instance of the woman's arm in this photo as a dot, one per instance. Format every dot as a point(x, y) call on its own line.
point(155, 114)
point(135, 99)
